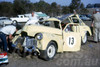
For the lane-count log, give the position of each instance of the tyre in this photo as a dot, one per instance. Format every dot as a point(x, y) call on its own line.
point(84, 40)
point(21, 53)
point(50, 52)
point(3, 24)
point(14, 22)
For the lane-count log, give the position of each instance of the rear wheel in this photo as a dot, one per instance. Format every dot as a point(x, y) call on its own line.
point(84, 40)
point(50, 52)
point(14, 22)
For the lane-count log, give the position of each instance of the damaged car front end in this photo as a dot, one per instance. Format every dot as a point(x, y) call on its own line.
point(27, 44)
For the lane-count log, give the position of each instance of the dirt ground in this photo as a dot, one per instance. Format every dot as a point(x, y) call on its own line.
point(88, 56)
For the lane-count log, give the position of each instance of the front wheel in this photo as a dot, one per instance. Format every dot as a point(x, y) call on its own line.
point(50, 52)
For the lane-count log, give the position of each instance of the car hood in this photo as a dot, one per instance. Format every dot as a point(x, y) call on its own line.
point(33, 29)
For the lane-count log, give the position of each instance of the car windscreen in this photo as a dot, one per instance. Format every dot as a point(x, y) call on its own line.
point(53, 24)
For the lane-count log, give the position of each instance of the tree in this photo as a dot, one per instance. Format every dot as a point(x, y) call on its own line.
point(75, 5)
point(90, 6)
point(54, 8)
point(82, 5)
point(21, 6)
point(59, 10)
point(97, 5)
point(83, 10)
point(6, 9)
point(42, 7)
point(65, 9)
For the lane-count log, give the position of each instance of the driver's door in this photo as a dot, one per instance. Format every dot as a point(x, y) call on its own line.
point(72, 40)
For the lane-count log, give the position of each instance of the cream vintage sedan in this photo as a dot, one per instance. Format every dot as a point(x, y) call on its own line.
point(49, 38)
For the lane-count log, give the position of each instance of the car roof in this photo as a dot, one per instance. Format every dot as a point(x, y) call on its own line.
point(61, 18)
point(3, 17)
point(66, 16)
point(52, 19)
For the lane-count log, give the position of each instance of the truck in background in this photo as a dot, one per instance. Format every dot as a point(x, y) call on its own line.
point(20, 18)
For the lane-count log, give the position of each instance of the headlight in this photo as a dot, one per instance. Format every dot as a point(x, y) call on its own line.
point(39, 36)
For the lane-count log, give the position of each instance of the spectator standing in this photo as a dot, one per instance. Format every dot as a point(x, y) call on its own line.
point(33, 19)
point(96, 25)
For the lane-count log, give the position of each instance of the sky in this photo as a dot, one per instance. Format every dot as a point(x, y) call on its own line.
point(63, 2)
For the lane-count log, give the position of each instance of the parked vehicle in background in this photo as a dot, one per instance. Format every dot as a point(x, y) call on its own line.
point(20, 18)
point(85, 17)
point(89, 15)
point(5, 21)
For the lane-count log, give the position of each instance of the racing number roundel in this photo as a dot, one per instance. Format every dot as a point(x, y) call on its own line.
point(71, 41)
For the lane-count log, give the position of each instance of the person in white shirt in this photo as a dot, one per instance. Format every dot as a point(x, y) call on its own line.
point(6, 34)
point(96, 24)
point(33, 19)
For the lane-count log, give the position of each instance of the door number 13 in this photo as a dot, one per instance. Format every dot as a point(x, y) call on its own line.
point(71, 40)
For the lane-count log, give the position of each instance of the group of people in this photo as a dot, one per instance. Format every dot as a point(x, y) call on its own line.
point(6, 33)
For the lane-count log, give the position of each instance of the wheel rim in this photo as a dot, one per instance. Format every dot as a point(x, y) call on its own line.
point(14, 22)
point(85, 39)
point(51, 51)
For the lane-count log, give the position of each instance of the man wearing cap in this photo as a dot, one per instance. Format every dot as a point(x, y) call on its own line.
point(6, 34)
point(96, 23)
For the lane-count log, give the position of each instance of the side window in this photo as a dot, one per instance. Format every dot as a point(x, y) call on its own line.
point(46, 23)
point(69, 28)
point(53, 24)
point(56, 24)
point(21, 16)
point(66, 21)
point(75, 20)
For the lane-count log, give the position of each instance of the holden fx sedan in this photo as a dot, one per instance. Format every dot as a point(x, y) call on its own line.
point(49, 38)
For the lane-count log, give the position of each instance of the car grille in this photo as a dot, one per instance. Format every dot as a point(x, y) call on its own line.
point(30, 42)
point(26, 42)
